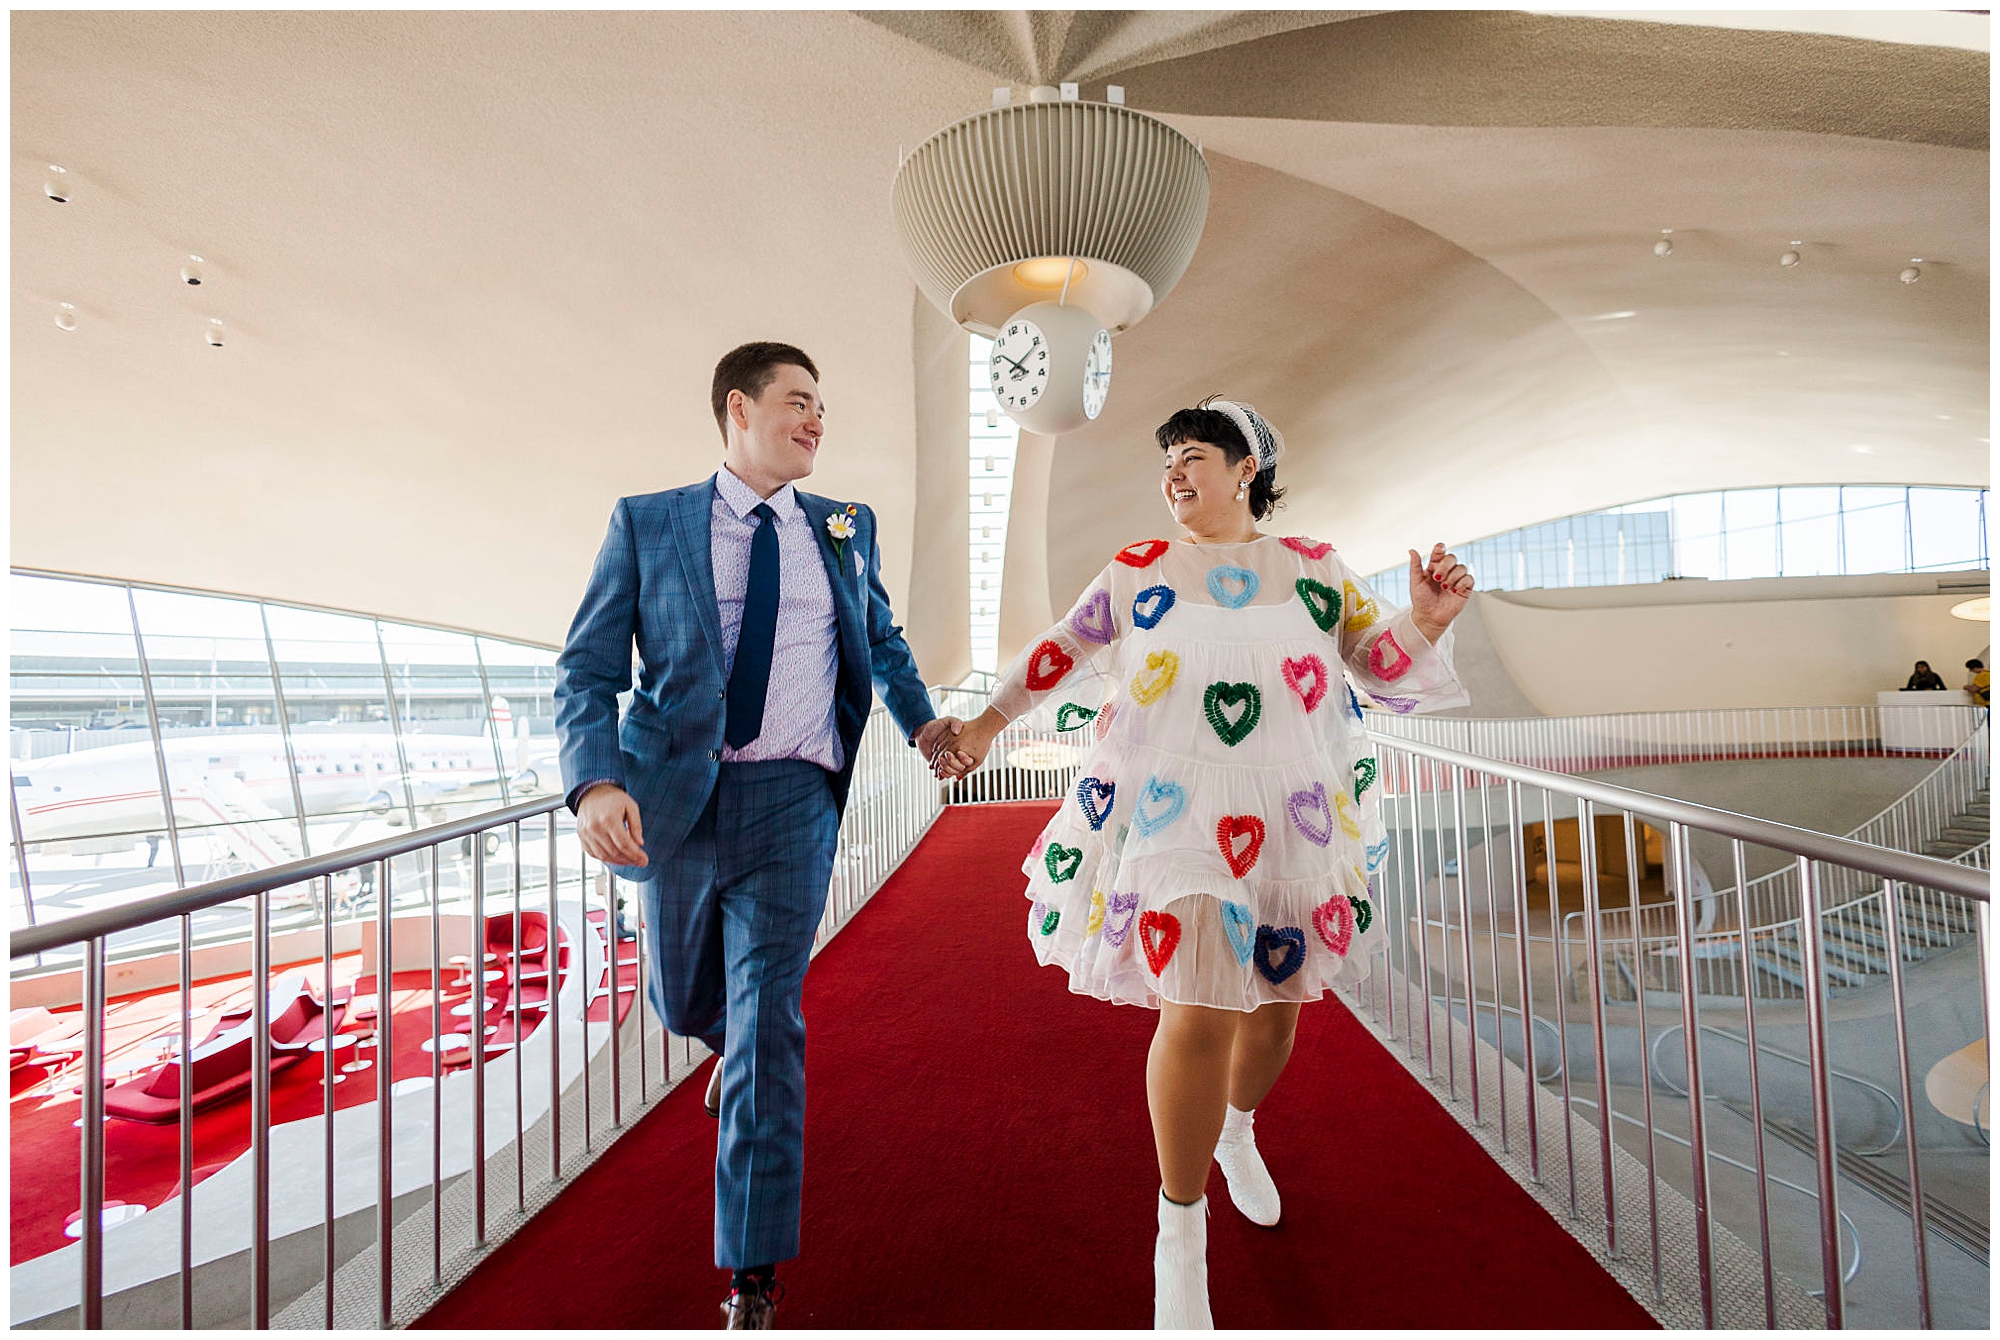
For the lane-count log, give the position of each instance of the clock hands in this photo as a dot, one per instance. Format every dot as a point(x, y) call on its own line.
point(1020, 370)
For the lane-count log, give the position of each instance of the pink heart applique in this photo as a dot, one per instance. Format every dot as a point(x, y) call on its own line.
point(1297, 668)
point(1103, 722)
point(1388, 659)
point(1334, 920)
point(1310, 548)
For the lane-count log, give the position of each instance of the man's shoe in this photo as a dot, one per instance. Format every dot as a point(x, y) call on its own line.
point(712, 1100)
point(752, 1309)
point(1250, 1184)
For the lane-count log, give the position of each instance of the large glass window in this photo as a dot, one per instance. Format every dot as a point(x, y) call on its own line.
point(1795, 531)
point(994, 438)
point(282, 732)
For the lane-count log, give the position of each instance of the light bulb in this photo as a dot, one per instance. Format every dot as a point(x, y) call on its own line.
point(1663, 248)
point(66, 316)
point(191, 272)
point(57, 187)
point(214, 332)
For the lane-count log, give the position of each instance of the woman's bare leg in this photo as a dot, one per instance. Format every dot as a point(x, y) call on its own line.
point(1187, 1086)
point(1263, 1044)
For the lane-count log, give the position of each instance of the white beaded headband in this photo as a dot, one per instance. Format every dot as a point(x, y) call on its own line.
point(1262, 438)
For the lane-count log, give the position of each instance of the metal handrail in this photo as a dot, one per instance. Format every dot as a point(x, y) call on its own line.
point(200, 897)
point(1653, 1059)
point(1853, 1269)
point(1902, 866)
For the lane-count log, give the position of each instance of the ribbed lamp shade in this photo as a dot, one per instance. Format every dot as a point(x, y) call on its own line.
point(1119, 191)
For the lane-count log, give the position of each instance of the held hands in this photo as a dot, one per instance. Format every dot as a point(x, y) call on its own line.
point(607, 820)
point(1438, 591)
point(966, 750)
point(935, 737)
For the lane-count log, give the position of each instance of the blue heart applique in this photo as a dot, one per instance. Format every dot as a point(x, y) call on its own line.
point(1224, 573)
point(1293, 942)
point(1160, 597)
point(1376, 854)
point(1090, 792)
point(1168, 796)
point(1242, 932)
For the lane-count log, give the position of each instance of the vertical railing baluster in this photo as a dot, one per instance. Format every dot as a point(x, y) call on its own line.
point(515, 1014)
point(1812, 953)
point(1586, 830)
point(1683, 890)
point(385, 1090)
point(437, 1069)
point(1892, 934)
point(1559, 951)
point(1516, 833)
point(1632, 860)
point(260, 1113)
point(1465, 935)
point(186, 1133)
point(553, 1019)
point(478, 940)
point(327, 1054)
point(90, 1198)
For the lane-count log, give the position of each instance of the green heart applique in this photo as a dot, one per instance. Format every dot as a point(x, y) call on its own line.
point(1049, 922)
point(1056, 856)
point(1326, 613)
point(1222, 695)
point(1364, 777)
point(1363, 913)
point(1074, 716)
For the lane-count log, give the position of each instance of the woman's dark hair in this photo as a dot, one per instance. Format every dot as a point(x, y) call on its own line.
point(1202, 424)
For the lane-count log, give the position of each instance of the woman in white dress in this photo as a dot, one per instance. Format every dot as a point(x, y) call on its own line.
point(1215, 860)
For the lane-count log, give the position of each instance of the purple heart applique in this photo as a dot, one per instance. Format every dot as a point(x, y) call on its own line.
point(1400, 706)
point(1092, 619)
point(1301, 803)
point(1120, 910)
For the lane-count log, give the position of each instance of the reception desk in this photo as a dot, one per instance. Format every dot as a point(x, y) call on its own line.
point(1922, 720)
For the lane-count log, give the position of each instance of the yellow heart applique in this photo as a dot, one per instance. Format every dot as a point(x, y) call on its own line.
point(1348, 823)
point(1096, 922)
point(1166, 665)
point(1364, 610)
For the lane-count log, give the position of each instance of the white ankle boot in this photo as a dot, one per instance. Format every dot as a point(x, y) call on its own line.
point(1180, 1268)
point(1250, 1184)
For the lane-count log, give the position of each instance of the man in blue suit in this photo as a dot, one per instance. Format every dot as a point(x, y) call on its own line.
point(763, 631)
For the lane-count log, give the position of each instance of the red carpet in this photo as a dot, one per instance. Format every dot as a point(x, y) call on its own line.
point(142, 1162)
point(978, 1155)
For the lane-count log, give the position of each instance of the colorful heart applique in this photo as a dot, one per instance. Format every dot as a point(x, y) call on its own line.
point(1104, 720)
point(1092, 619)
point(1364, 913)
point(1233, 826)
point(1049, 921)
point(1058, 856)
point(1322, 602)
point(1160, 598)
point(1361, 611)
point(1096, 921)
point(1354, 702)
point(1090, 794)
point(1224, 575)
point(1310, 548)
point(1364, 776)
point(1301, 805)
point(1291, 940)
point(1298, 670)
point(1387, 657)
point(1244, 699)
point(1121, 908)
point(1344, 807)
point(1241, 930)
point(1143, 553)
point(1334, 920)
point(1074, 716)
point(1168, 801)
point(1402, 707)
point(1047, 666)
point(1163, 666)
point(1377, 854)
point(1159, 935)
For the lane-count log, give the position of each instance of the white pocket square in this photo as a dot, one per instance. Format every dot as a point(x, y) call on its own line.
point(858, 565)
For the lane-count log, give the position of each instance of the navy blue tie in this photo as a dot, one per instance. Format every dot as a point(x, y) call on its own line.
point(750, 676)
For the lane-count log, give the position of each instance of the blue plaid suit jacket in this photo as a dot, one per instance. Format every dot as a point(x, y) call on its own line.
point(654, 585)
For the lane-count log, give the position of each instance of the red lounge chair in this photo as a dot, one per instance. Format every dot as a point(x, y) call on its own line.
point(222, 1063)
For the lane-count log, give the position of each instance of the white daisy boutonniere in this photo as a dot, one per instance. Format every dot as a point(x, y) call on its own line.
point(840, 526)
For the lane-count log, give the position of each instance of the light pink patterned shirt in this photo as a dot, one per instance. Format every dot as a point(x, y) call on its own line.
point(798, 704)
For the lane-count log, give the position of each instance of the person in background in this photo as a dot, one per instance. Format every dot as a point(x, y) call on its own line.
point(1978, 684)
point(1923, 677)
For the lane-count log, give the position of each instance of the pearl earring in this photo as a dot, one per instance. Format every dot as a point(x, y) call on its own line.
point(1242, 490)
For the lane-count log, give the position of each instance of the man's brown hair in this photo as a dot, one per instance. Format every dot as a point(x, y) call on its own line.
point(749, 368)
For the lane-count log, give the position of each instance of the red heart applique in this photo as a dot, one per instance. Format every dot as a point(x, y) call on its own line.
point(1142, 554)
point(1334, 920)
point(1310, 548)
point(1047, 667)
point(1159, 934)
point(1298, 668)
point(1234, 826)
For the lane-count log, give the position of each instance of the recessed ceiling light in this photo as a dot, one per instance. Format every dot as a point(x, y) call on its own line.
point(1789, 259)
point(1862, 449)
point(1911, 275)
point(1944, 416)
point(214, 332)
point(1613, 316)
point(66, 316)
point(57, 187)
point(1663, 248)
point(1979, 608)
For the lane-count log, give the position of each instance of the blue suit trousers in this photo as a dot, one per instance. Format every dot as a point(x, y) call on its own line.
point(731, 918)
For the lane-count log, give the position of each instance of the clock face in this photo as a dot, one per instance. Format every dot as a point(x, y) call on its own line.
point(1097, 374)
point(1019, 366)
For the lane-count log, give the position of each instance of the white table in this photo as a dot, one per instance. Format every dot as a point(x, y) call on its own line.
point(338, 1042)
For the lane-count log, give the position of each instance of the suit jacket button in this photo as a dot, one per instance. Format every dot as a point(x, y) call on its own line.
point(722, 695)
point(714, 754)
